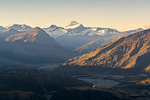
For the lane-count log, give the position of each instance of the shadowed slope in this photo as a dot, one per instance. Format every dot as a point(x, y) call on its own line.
point(34, 46)
point(87, 93)
point(90, 46)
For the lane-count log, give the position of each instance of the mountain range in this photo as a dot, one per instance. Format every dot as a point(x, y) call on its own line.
point(92, 45)
point(75, 28)
point(33, 46)
point(20, 27)
point(130, 52)
point(76, 35)
point(23, 43)
point(72, 36)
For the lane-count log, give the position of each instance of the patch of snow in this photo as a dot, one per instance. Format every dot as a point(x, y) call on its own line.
point(53, 32)
point(74, 26)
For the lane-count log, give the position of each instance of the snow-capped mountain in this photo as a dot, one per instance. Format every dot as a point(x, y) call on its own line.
point(55, 31)
point(20, 27)
point(106, 32)
point(76, 34)
point(75, 28)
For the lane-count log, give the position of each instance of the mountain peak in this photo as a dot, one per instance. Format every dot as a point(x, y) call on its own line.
point(20, 27)
point(53, 26)
point(37, 28)
point(33, 35)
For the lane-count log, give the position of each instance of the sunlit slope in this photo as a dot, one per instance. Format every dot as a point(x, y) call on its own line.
point(128, 52)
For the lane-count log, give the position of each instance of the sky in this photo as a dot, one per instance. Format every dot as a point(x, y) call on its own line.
point(118, 14)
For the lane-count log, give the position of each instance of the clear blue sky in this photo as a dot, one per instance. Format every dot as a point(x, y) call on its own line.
point(120, 14)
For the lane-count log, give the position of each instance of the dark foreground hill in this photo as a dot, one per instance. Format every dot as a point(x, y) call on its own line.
point(19, 95)
point(34, 80)
point(86, 93)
